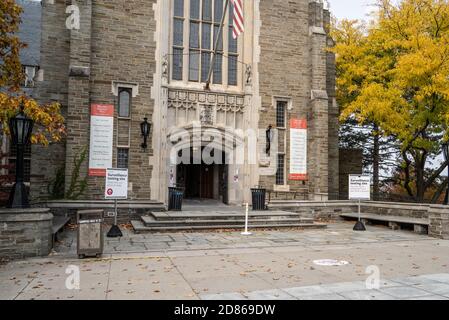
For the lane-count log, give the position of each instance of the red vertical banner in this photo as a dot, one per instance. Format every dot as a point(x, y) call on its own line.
point(101, 139)
point(298, 150)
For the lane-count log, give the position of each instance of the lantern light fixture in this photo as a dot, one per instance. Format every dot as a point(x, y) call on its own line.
point(20, 127)
point(145, 128)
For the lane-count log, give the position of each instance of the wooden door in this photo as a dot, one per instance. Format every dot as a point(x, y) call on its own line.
point(207, 182)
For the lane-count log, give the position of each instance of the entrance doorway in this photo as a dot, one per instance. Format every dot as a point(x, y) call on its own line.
point(203, 181)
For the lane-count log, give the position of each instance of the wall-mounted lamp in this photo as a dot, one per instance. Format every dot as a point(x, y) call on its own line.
point(145, 128)
point(270, 135)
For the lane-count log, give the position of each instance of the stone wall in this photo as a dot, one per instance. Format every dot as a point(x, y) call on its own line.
point(295, 66)
point(25, 233)
point(316, 209)
point(125, 52)
point(439, 221)
point(350, 162)
point(438, 215)
point(54, 63)
point(127, 210)
point(410, 210)
point(115, 42)
point(283, 67)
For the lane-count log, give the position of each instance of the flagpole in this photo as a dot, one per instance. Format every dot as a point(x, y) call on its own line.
point(220, 31)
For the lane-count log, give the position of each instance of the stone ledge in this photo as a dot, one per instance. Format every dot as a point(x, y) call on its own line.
point(25, 215)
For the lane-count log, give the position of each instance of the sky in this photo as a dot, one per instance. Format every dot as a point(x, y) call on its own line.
point(350, 9)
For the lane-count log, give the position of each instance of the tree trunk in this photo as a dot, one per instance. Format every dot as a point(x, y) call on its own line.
point(420, 189)
point(440, 190)
point(376, 156)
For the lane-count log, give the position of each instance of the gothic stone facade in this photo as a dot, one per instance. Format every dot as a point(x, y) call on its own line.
point(137, 45)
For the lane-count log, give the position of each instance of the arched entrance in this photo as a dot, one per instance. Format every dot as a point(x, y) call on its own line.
point(203, 174)
point(208, 163)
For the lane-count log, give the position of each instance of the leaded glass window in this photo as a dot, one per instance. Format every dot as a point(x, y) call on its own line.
point(201, 19)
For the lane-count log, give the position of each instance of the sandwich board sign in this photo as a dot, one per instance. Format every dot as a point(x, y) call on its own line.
point(359, 187)
point(116, 184)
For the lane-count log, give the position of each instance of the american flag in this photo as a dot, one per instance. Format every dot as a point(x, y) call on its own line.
point(238, 23)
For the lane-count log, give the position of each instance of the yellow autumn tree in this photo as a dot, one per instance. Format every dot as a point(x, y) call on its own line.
point(49, 123)
point(394, 73)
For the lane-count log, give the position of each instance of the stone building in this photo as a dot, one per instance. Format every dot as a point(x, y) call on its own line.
point(150, 59)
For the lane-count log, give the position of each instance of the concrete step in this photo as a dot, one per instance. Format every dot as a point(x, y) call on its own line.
point(139, 227)
point(151, 222)
point(253, 215)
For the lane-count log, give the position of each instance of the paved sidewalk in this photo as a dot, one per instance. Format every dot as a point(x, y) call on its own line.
point(424, 287)
point(340, 234)
point(274, 264)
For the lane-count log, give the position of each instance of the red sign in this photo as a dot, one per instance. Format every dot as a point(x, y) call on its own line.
point(298, 177)
point(298, 124)
point(110, 192)
point(97, 172)
point(105, 110)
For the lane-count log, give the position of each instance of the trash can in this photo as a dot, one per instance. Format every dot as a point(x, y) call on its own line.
point(90, 233)
point(258, 198)
point(175, 197)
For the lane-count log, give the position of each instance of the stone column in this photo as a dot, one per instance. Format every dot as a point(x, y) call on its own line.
point(159, 93)
point(78, 108)
point(252, 97)
point(318, 116)
point(334, 113)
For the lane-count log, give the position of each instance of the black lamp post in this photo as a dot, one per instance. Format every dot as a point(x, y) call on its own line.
point(269, 135)
point(446, 157)
point(145, 128)
point(21, 128)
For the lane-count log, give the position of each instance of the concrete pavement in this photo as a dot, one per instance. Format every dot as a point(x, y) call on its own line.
point(268, 265)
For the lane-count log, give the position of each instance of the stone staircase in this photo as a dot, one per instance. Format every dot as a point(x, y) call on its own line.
point(215, 219)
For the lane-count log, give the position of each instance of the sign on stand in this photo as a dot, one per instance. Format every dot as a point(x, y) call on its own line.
point(359, 189)
point(116, 184)
point(116, 188)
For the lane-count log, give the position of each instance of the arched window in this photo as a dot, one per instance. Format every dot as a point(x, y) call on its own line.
point(124, 103)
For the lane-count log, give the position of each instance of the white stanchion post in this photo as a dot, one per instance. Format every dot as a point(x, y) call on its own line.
point(246, 233)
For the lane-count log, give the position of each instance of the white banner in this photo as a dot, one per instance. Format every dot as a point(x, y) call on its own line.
point(298, 150)
point(116, 184)
point(101, 139)
point(359, 187)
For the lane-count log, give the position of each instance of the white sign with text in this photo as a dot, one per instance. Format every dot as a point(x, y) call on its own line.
point(359, 187)
point(101, 139)
point(116, 184)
